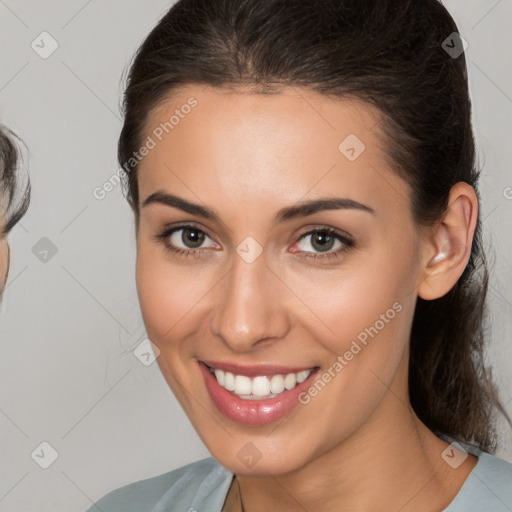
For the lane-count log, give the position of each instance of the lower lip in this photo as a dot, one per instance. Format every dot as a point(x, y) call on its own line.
point(253, 412)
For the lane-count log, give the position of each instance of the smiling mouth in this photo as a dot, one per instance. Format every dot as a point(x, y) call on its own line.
point(259, 387)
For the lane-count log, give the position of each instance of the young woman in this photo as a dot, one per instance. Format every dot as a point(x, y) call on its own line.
point(14, 196)
point(309, 263)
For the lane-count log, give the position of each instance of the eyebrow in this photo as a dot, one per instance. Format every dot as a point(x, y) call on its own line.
point(302, 209)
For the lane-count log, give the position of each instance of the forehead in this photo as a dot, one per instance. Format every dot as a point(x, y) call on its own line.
point(281, 146)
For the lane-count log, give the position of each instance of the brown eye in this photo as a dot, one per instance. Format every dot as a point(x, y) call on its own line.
point(321, 240)
point(192, 238)
point(187, 239)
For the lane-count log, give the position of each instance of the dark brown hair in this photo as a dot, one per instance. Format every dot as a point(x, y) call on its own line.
point(388, 53)
point(14, 182)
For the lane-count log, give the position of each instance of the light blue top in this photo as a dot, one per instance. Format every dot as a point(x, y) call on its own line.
point(202, 487)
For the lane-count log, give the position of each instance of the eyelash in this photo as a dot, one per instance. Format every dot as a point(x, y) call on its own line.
point(348, 243)
point(326, 257)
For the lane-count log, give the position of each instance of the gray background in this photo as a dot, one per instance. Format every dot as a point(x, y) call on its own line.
point(68, 324)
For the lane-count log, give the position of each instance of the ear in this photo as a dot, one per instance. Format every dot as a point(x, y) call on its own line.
point(448, 246)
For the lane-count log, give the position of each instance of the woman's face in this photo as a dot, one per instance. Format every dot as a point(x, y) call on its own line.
point(252, 291)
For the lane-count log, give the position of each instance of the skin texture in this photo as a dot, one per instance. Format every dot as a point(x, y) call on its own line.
point(4, 262)
point(357, 444)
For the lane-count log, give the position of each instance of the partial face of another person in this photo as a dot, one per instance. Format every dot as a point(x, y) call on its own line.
point(234, 275)
point(4, 262)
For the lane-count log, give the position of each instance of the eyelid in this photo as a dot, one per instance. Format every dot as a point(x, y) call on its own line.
point(171, 228)
point(340, 234)
point(331, 256)
point(163, 235)
point(176, 241)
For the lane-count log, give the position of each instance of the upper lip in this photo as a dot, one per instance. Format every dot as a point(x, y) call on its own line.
point(256, 369)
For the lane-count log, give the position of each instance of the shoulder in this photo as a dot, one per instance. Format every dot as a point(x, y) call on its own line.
point(184, 488)
point(488, 487)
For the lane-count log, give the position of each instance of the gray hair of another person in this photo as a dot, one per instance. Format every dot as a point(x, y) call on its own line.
point(14, 180)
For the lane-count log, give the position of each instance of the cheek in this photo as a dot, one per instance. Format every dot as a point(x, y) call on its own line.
point(169, 295)
point(361, 328)
point(171, 300)
point(363, 336)
point(363, 315)
point(364, 295)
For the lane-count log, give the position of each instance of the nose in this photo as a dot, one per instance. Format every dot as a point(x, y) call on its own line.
point(249, 306)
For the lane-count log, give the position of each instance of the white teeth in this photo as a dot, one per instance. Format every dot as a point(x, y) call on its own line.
point(242, 385)
point(229, 381)
point(219, 374)
point(277, 384)
point(261, 386)
point(290, 380)
point(302, 376)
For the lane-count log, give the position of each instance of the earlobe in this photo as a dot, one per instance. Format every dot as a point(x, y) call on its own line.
point(449, 245)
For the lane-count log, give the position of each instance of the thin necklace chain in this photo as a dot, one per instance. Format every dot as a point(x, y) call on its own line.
point(241, 503)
